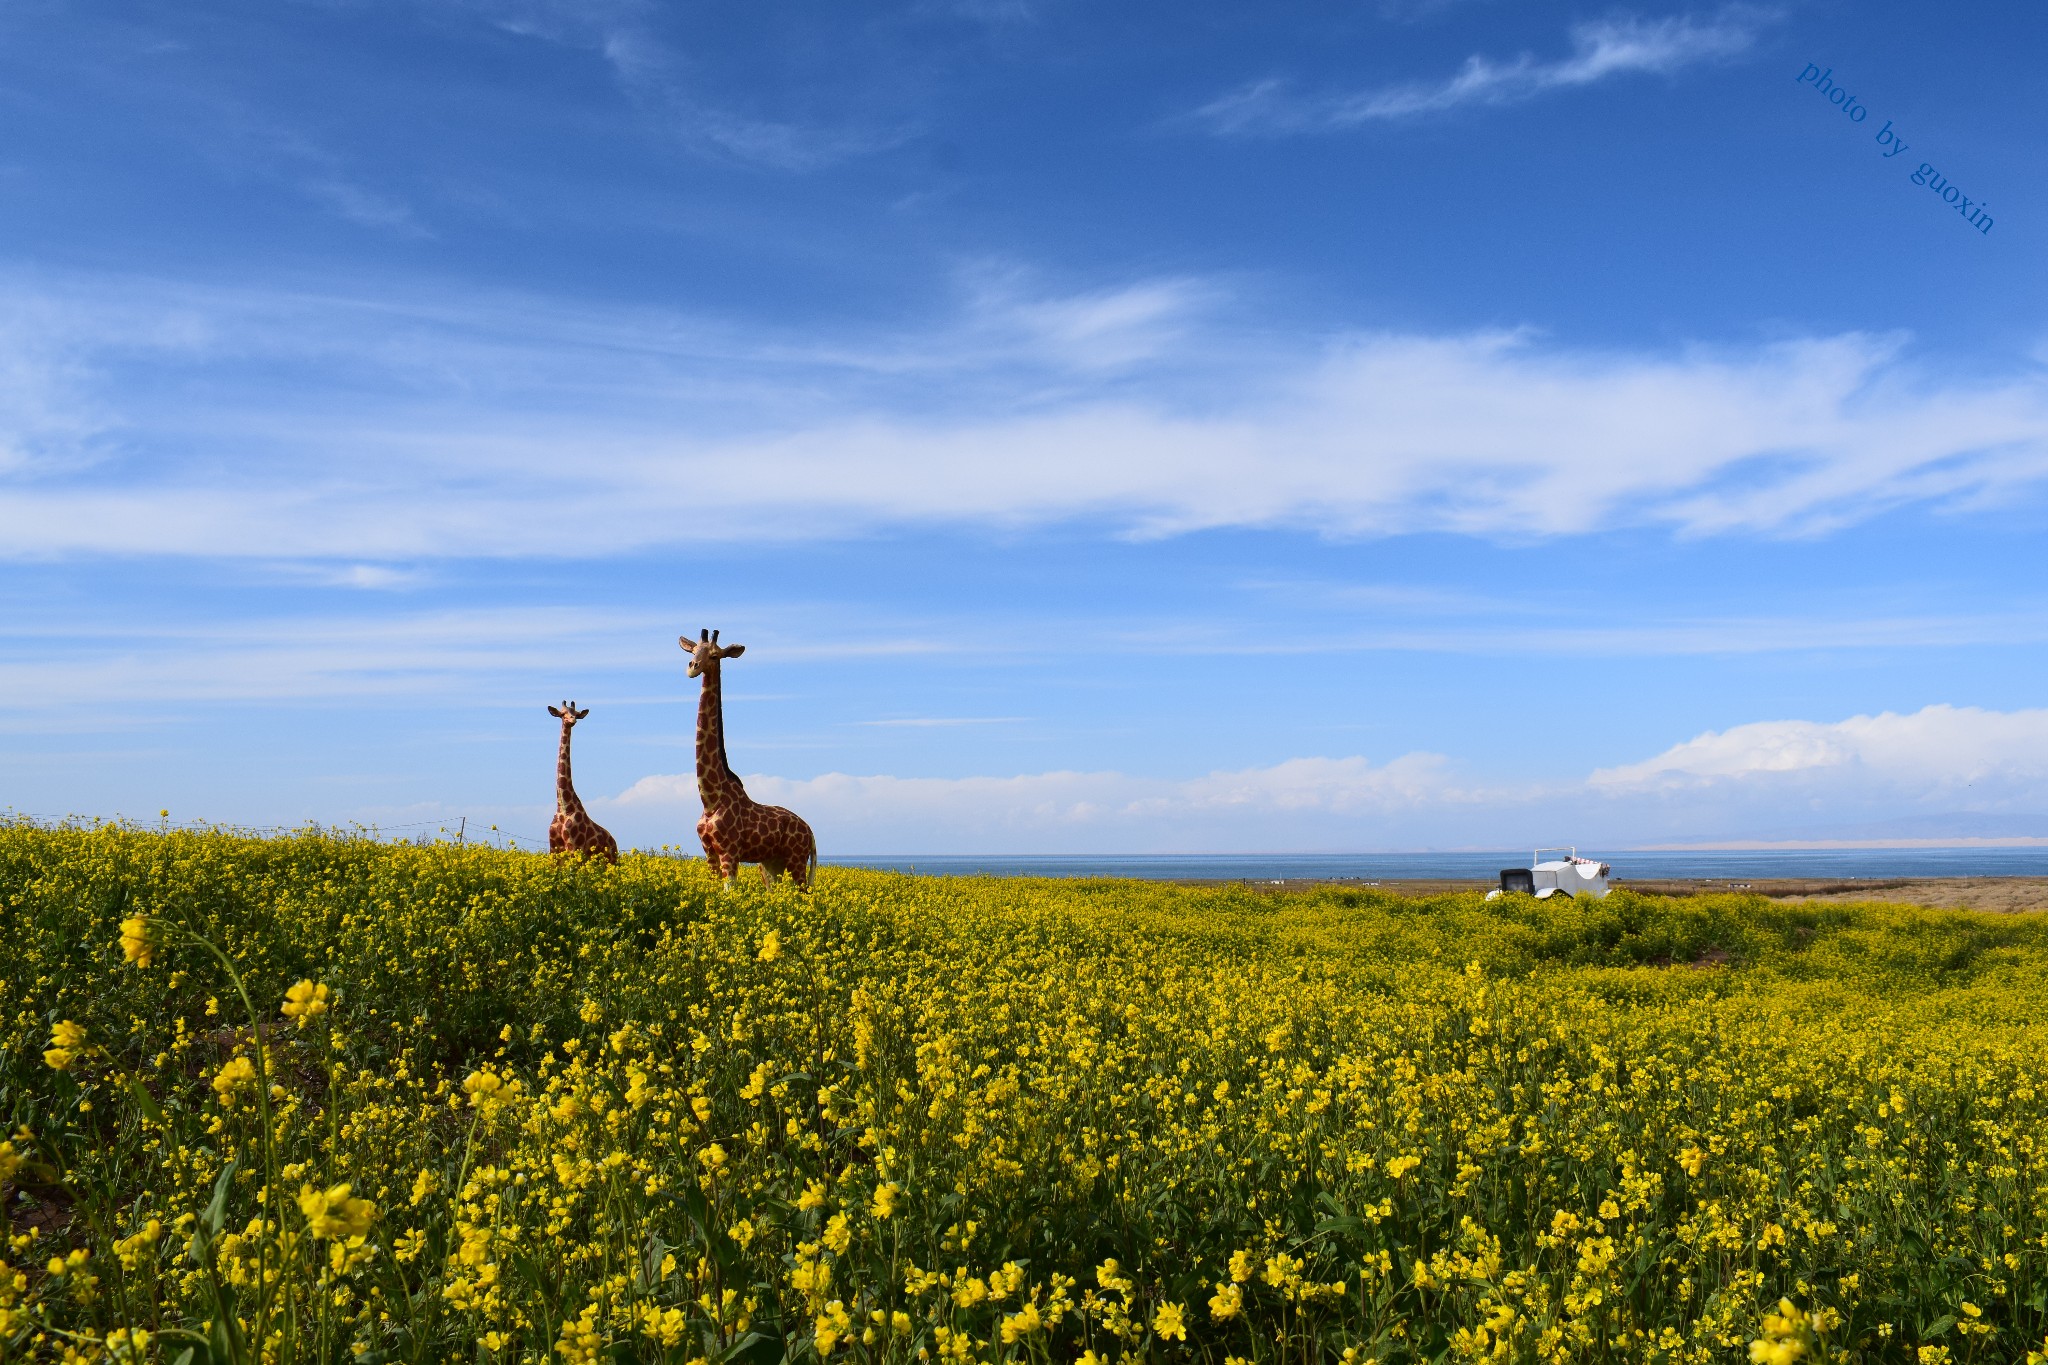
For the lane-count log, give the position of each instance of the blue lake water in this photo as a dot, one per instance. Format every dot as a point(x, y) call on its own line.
point(1843, 863)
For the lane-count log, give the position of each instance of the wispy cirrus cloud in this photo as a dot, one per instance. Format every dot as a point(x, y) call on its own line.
point(939, 722)
point(627, 36)
point(1620, 45)
point(374, 428)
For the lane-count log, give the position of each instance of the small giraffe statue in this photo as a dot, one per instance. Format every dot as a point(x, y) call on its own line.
point(573, 831)
point(735, 828)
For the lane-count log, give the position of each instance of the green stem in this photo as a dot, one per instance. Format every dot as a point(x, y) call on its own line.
point(264, 1288)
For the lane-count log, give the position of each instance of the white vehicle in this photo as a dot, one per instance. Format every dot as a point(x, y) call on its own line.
point(1570, 875)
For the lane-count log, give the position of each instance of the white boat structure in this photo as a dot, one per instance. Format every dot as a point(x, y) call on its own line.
point(1570, 875)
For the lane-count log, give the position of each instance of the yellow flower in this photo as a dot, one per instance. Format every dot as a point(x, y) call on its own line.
point(831, 1326)
point(813, 1196)
point(131, 1249)
point(334, 1212)
point(1226, 1301)
point(487, 1093)
point(667, 1326)
point(1693, 1160)
point(305, 1001)
point(1240, 1266)
point(124, 1344)
point(137, 946)
point(1022, 1323)
point(235, 1074)
point(1401, 1165)
point(1167, 1323)
point(771, 946)
point(883, 1205)
point(67, 1040)
point(1785, 1336)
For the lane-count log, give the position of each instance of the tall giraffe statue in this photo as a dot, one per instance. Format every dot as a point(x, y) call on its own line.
point(736, 828)
point(573, 831)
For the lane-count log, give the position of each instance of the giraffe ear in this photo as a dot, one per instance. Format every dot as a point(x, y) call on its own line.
point(555, 711)
point(584, 712)
point(732, 651)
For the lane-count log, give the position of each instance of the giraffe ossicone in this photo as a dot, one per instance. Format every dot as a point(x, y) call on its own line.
point(736, 828)
point(572, 830)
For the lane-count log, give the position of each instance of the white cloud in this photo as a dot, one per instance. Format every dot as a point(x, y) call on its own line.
point(377, 428)
point(1774, 778)
point(1937, 752)
point(1320, 797)
point(1620, 45)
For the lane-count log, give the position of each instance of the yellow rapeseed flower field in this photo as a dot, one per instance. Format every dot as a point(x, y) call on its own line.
point(324, 1099)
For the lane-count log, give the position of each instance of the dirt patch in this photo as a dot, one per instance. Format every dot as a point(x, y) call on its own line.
point(2005, 895)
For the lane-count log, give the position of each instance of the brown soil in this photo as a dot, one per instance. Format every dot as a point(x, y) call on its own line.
point(2003, 894)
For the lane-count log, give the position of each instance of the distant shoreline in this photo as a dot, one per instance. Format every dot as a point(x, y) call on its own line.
point(1764, 846)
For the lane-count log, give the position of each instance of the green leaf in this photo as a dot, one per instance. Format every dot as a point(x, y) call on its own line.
point(217, 1207)
point(145, 1101)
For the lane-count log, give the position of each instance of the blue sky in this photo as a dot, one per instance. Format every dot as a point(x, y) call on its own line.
point(1432, 423)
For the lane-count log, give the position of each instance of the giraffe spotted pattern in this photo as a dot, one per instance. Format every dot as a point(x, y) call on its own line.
point(572, 830)
point(736, 828)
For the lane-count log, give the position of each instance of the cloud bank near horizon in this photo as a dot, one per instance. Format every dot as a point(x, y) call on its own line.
point(379, 429)
point(1765, 779)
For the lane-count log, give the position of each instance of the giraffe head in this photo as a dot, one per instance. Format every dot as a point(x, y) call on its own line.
point(705, 651)
point(568, 712)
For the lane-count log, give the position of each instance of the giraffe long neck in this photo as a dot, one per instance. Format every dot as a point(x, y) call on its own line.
point(565, 789)
point(716, 785)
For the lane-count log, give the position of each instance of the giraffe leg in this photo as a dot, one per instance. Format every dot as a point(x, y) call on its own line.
point(771, 868)
point(728, 868)
point(715, 857)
